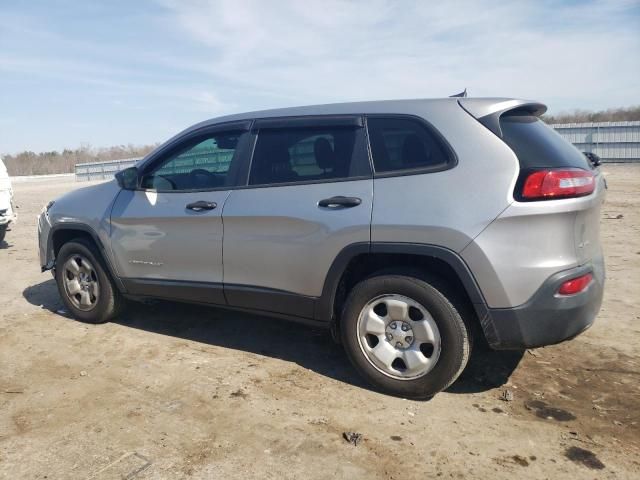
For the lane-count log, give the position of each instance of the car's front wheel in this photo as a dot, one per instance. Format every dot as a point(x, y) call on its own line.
point(84, 284)
point(404, 335)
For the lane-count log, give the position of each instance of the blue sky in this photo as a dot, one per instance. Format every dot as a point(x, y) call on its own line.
point(118, 72)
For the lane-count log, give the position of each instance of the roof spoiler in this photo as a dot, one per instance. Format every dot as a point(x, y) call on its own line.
point(462, 94)
point(489, 110)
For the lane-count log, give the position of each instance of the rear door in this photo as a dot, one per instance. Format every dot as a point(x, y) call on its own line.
point(167, 235)
point(309, 195)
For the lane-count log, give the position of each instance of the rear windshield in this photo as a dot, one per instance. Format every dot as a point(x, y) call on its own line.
point(537, 145)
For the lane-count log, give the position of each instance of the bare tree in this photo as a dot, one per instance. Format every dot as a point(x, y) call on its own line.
point(585, 116)
point(43, 163)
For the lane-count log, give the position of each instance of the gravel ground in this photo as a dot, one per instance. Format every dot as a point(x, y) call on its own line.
point(176, 391)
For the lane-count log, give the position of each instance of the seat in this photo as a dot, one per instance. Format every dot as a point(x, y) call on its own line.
point(279, 167)
point(325, 156)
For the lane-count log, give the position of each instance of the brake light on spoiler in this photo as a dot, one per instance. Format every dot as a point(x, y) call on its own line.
point(558, 183)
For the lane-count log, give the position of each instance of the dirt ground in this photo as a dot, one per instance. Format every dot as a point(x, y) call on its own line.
point(175, 391)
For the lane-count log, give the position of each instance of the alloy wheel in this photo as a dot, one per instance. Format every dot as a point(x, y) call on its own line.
point(81, 283)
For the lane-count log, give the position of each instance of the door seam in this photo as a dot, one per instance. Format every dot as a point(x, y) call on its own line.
point(224, 295)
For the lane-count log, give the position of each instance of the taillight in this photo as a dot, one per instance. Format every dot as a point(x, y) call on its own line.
point(575, 285)
point(552, 184)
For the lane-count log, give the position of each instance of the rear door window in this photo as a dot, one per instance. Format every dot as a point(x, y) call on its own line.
point(405, 144)
point(537, 145)
point(310, 154)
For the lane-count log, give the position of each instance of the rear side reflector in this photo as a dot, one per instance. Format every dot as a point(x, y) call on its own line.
point(575, 285)
point(552, 184)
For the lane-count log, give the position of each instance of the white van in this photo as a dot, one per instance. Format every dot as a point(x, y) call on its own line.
point(7, 214)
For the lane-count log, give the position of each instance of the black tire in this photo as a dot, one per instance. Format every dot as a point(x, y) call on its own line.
point(437, 298)
point(109, 301)
point(3, 232)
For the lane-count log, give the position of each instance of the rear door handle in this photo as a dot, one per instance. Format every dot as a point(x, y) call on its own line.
point(201, 205)
point(340, 202)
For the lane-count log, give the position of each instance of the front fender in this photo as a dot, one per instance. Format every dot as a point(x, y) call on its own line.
point(86, 211)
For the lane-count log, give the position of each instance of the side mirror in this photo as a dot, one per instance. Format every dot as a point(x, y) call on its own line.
point(128, 178)
point(593, 158)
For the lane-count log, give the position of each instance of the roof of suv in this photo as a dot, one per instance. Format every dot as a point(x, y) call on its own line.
point(481, 105)
point(477, 107)
point(377, 106)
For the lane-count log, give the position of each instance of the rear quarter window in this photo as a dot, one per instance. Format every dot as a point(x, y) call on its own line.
point(405, 144)
point(537, 145)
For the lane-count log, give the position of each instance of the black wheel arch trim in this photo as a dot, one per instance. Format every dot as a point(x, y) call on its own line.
point(325, 304)
point(87, 229)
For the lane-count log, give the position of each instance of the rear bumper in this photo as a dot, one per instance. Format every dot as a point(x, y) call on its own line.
point(548, 318)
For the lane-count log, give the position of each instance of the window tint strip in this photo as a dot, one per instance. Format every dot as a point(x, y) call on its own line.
point(310, 122)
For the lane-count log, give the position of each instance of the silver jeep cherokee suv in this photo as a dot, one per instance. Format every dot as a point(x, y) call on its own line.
point(403, 225)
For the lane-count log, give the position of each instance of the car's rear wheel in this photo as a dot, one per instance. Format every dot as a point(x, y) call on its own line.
point(84, 284)
point(3, 232)
point(404, 335)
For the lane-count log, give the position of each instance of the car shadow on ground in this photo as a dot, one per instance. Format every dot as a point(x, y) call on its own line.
point(309, 347)
point(487, 369)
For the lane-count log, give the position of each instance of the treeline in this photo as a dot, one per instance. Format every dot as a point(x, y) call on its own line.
point(43, 163)
point(584, 116)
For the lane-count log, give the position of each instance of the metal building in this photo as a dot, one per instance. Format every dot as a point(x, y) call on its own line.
point(611, 141)
point(103, 170)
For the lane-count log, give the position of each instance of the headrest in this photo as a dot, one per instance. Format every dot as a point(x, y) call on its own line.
point(325, 157)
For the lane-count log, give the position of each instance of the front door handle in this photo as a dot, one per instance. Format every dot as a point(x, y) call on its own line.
point(201, 205)
point(340, 202)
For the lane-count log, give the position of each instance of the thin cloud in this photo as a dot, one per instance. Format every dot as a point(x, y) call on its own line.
point(330, 51)
point(139, 71)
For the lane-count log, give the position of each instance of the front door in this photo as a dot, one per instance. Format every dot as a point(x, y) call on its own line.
point(166, 236)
